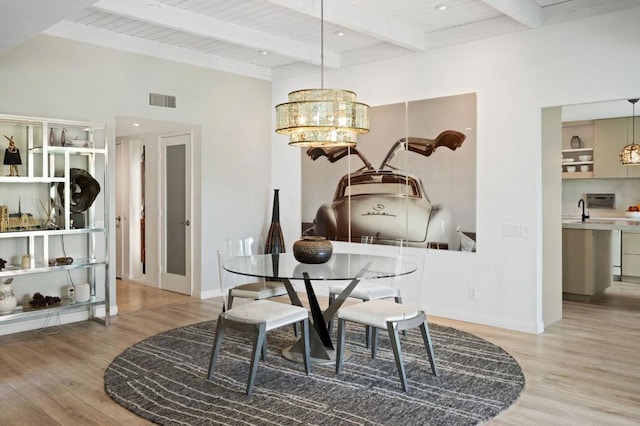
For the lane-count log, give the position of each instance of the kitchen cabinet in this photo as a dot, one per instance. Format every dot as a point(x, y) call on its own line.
point(585, 270)
point(50, 241)
point(571, 158)
point(631, 256)
point(610, 136)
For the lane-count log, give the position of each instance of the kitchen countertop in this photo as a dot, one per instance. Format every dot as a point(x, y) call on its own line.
point(603, 223)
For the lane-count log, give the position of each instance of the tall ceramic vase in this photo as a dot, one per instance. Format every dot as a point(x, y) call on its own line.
point(275, 240)
point(8, 300)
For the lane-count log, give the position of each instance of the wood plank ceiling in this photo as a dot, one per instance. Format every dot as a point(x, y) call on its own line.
point(271, 38)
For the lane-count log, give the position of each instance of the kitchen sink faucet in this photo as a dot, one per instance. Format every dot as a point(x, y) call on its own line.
point(584, 216)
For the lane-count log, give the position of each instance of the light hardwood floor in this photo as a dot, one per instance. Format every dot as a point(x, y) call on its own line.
point(582, 370)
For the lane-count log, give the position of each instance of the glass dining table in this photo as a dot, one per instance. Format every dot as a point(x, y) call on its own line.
point(351, 267)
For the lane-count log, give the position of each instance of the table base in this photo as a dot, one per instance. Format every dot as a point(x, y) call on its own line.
point(293, 355)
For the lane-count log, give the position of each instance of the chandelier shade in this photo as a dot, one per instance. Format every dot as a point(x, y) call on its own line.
point(322, 117)
point(630, 154)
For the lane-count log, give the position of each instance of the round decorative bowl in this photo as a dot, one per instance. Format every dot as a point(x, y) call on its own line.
point(585, 157)
point(312, 249)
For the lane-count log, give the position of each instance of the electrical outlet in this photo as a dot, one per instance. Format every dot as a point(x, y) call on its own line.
point(473, 293)
point(511, 229)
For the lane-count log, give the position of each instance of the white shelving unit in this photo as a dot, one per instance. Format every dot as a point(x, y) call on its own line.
point(570, 158)
point(84, 236)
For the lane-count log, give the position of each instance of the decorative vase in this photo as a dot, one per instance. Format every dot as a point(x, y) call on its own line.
point(275, 240)
point(8, 300)
point(576, 142)
point(312, 249)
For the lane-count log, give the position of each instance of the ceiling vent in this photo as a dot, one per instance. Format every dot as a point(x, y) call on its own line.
point(167, 101)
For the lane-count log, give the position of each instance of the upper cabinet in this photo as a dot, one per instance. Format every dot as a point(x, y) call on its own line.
point(611, 135)
point(602, 140)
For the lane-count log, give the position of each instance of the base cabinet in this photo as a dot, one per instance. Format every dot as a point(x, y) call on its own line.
point(586, 263)
point(631, 256)
point(54, 223)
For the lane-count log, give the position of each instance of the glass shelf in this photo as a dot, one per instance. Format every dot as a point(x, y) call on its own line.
point(21, 313)
point(41, 268)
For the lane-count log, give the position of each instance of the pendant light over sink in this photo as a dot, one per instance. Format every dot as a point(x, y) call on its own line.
point(322, 117)
point(630, 154)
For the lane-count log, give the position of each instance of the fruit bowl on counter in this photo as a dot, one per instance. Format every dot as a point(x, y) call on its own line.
point(632, 215)
point(633, 212)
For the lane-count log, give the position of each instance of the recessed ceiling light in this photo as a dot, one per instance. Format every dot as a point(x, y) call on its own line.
point(441, 6)
point(264, 52)
point(339, 33)
point(135, 124)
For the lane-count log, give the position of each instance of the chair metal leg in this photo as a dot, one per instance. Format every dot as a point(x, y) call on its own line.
point(374, 341)
point(264, 348)
point(340, 345)
point(217, 343)
point(426, 336)
point(230, 304)
point(398, 299)
point(367, 336)
point(397, 353)
point(257, 344)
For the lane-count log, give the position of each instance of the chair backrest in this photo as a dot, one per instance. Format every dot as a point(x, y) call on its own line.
point(411, 285)
point(238, 248)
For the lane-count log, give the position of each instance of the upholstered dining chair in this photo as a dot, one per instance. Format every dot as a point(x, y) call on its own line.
point(367, 289)
point(389, 315)
point(255, 290)
point(258, 317)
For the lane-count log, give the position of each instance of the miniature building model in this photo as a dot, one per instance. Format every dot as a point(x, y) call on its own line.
point(17, 221)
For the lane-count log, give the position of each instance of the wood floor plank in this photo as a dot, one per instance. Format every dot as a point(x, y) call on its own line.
point(582, 370)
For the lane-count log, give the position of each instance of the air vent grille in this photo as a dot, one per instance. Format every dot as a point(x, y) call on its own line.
point(166, 101)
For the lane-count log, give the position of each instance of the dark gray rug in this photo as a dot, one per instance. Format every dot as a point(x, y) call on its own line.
point(163, 379)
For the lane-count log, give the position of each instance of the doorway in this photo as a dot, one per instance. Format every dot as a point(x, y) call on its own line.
point(139, 197)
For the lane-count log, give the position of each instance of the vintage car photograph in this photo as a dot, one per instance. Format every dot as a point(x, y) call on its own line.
point(385, 203)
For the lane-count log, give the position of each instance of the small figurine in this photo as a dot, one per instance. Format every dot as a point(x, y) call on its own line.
point(2, 263)
point(12, 157)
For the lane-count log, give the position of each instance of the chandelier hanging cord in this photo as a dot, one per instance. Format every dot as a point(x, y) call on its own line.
point(321, 44)
point(633, 120)
point(630, 154)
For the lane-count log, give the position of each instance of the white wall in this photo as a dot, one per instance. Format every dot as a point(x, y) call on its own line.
point(51, 77)
point(514, 76)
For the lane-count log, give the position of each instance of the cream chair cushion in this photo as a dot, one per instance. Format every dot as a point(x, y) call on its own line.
point(367, 290)
point(274, 314)
point(259, 290)
point(376, 313)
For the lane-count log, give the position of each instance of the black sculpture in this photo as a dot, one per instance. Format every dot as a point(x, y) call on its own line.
point(84, 190)
point(12, 157)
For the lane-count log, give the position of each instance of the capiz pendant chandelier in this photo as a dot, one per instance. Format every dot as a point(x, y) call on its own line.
point(630, 154)
point(322, 117)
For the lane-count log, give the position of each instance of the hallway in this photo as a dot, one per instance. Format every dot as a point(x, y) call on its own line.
point(132, 297)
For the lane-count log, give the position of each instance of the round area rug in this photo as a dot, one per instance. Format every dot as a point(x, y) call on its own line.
point(163, 379)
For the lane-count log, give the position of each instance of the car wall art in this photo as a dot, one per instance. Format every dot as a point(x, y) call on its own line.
point(412, 178)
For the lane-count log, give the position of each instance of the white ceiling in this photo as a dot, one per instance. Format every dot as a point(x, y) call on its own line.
point(270, 39)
